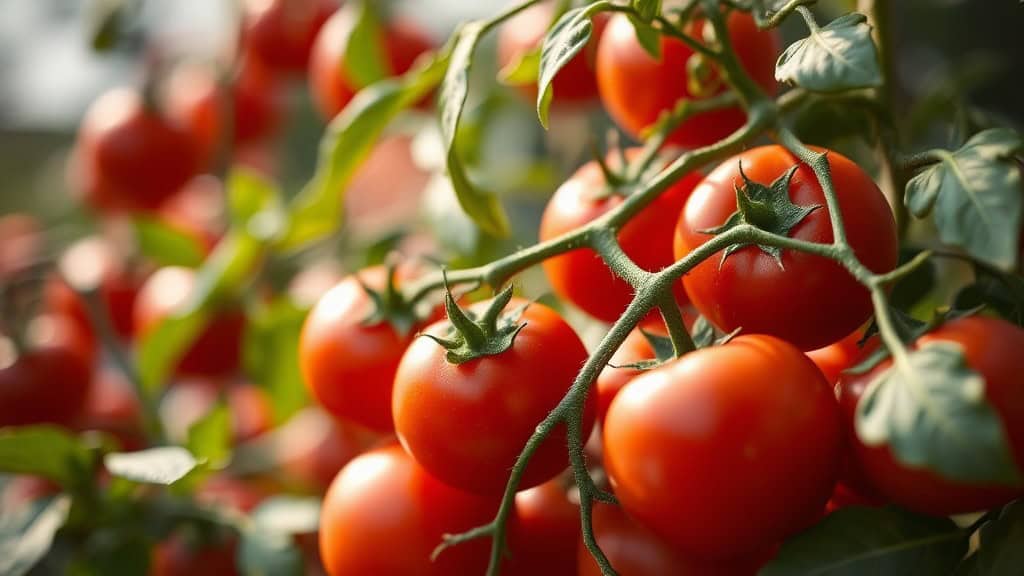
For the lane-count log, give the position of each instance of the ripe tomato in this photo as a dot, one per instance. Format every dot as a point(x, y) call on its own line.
point(216, 351)
point(179, 556)
point(21, 241)
point(992, 348)
point(683, 442)
point(189, 400)
point(635, 348)
point(576, 81)
point(580, 276)
point(280, 33)
point(812, 301)
point(833, 359)
point(129, 157)
point(312, 447)
point(113, 407)
point(636, 88)
point(331, 88)
point(543, 533)
point(198, 211)
point(384, 515)
point(491, 405)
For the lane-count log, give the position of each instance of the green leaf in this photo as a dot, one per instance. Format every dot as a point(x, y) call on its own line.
point(364, 60)
point(521, 70)
point(288, 515)
point(1000, 551)
point(44, 451)
point(26, 533)
point(210, 437)
point(563, 42)
point(165, 465)
point(268, 552)
point(316, 212)
point(249, 195)
point(647, 9)
point(857, 541)
point(271, 357)
point(107, 20)
point(933, 414)
point(1001, 291)
point(975, 193)
point(841, 56)
point(647, 36)
point(166, 246)
point(159, 350)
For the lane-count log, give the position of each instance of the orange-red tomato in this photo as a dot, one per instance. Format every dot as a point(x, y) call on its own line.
point(312, 447)
point(543, 533)
point(833, 359)
point(280, 33)
point(189, 400)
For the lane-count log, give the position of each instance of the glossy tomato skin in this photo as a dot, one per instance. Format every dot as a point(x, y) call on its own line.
point(683, 442)
point(491, 405)
point(636, 88)
point(813, 301)
point(384, 515)
point(130, 158)
point(216, 352)
point(542, 539)
point(615, 375)
point(991, 347)
point(580, 276)
point(404, 42)
point(280, 33)
point(840, 356)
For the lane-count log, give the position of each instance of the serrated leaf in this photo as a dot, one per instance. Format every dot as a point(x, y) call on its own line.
point(45, 451)
point(857, 541)
point(561, 44)
point(27, 533)
point(999, 551)
point(271, 357)
point(840, 56)
point(210, 437)
point(647, 37)
point(933, 414)
point(975, 193)
point(268, 552)
point(164, 465)
point(364, 61)
point(288, 515)
point(166, 246)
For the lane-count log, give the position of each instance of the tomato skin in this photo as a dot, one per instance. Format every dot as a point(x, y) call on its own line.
point(280, 33)
point(312, 447)
point(176, 556)
point(580, 276)
point(216, 352)
point(610, 381)
point(623, 65)
point(384, 515)
point(332, 90)
point(813, 301)
point(542, 538)
point(187, 401)
point(113, 407)
point(683, 441)
point(491, 404)
point(992, 348)
point(128, 158)
point(840, 356)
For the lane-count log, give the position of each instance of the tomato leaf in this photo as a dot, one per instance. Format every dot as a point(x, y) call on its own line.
point(975, 193)
point(271, 357)
point(106, 21)
point(647, 10)
point(840, 56)
point(933, 414)
point(166, 246)
point(250, 195)
point(164, 465)
point(268, 551)
point(210, 437)
point(45, 451)
point(856, 541)
point(521, 70)
point(647, 36)
point(160, 349)
point(999, 551)
point(289, 515)
point(561, 44)
point(27, 532)
point(364, 61)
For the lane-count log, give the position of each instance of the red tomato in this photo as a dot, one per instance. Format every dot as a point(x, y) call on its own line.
point(189, 400)
point(576, 81)
point(812, 301)
point(833, 359)
point(683, 442)
point(312, 447)
point(542, 537)
point(384, 515)
point(178, 556)
point(636, 88)
point(491, 405)
point(21, 241)
point(216, 351)
point(844, 496)
point(404, 41)
point(580, 276)
point(634, 349)
point(198, 211)
point(113, 407)
point(280, 33)
point(991, 347)
point(129, 157)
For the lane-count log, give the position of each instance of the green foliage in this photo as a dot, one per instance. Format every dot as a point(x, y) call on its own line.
point(999, 546)
point(209, 438)
point(647, 10)
point(165, 465)
point(563, 42)
point(166, 246)
point(840, 56)
point(45, 451)
point(364, 59)
point(26, 533)
point(271, 356)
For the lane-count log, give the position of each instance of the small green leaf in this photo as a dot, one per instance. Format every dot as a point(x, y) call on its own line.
point(268, 552)
point(44, 451)
point(841, 56)
point(166, 246)
point(271, 357)
point(1000, 551)
point(249, 194)
point(663, 348)
point(932, 413)
point(165, 465)
point(288, 515)
point(857, 541)
point(209, 438)
point(521, 70)
point(563, 42)
point(107, 20)
point(976, 195)
point(364, 61)
point(159, 350)
point(647, 10)
point(26, 533)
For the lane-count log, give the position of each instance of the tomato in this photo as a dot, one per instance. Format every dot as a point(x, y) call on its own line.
point(580, 276)
point(613, 377)
point(280, 33)
point(21, 241)
point(809, 301)
point(491, 405)
point(189, 400)
point(312, 447)
point(384, 515)
point(113, 407)
point(636, 88)
point(543, 534)
point(576, 81)
point(992, 347)
point(835, 358)
point(683, 442)
point(129, 157)
point(330, 86)
point(179, 556)
point(216, 351)
point(224, 491)
point(197, 211)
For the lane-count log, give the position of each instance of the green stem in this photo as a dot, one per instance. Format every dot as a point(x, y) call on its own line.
point(682, 342)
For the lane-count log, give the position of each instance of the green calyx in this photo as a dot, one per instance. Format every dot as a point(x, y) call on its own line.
point(473, 338)
point(767, 208)
point(390, 306)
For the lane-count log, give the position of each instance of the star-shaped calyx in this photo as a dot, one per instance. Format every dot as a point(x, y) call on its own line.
point(767, 208)
point(471, 337)
point(390, 305)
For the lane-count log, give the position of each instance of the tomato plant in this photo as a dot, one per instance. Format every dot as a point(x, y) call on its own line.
point(280, 33)
point(543, 536)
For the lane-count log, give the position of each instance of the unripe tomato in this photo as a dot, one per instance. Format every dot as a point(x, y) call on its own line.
point(637, 88)
point(991, 347)
point(384, 515)
point(331, 88)
point(809, 300)
point(128, 157)
point(280, 33)
point(684, 444)
point(543, 533)
point(580, 276)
